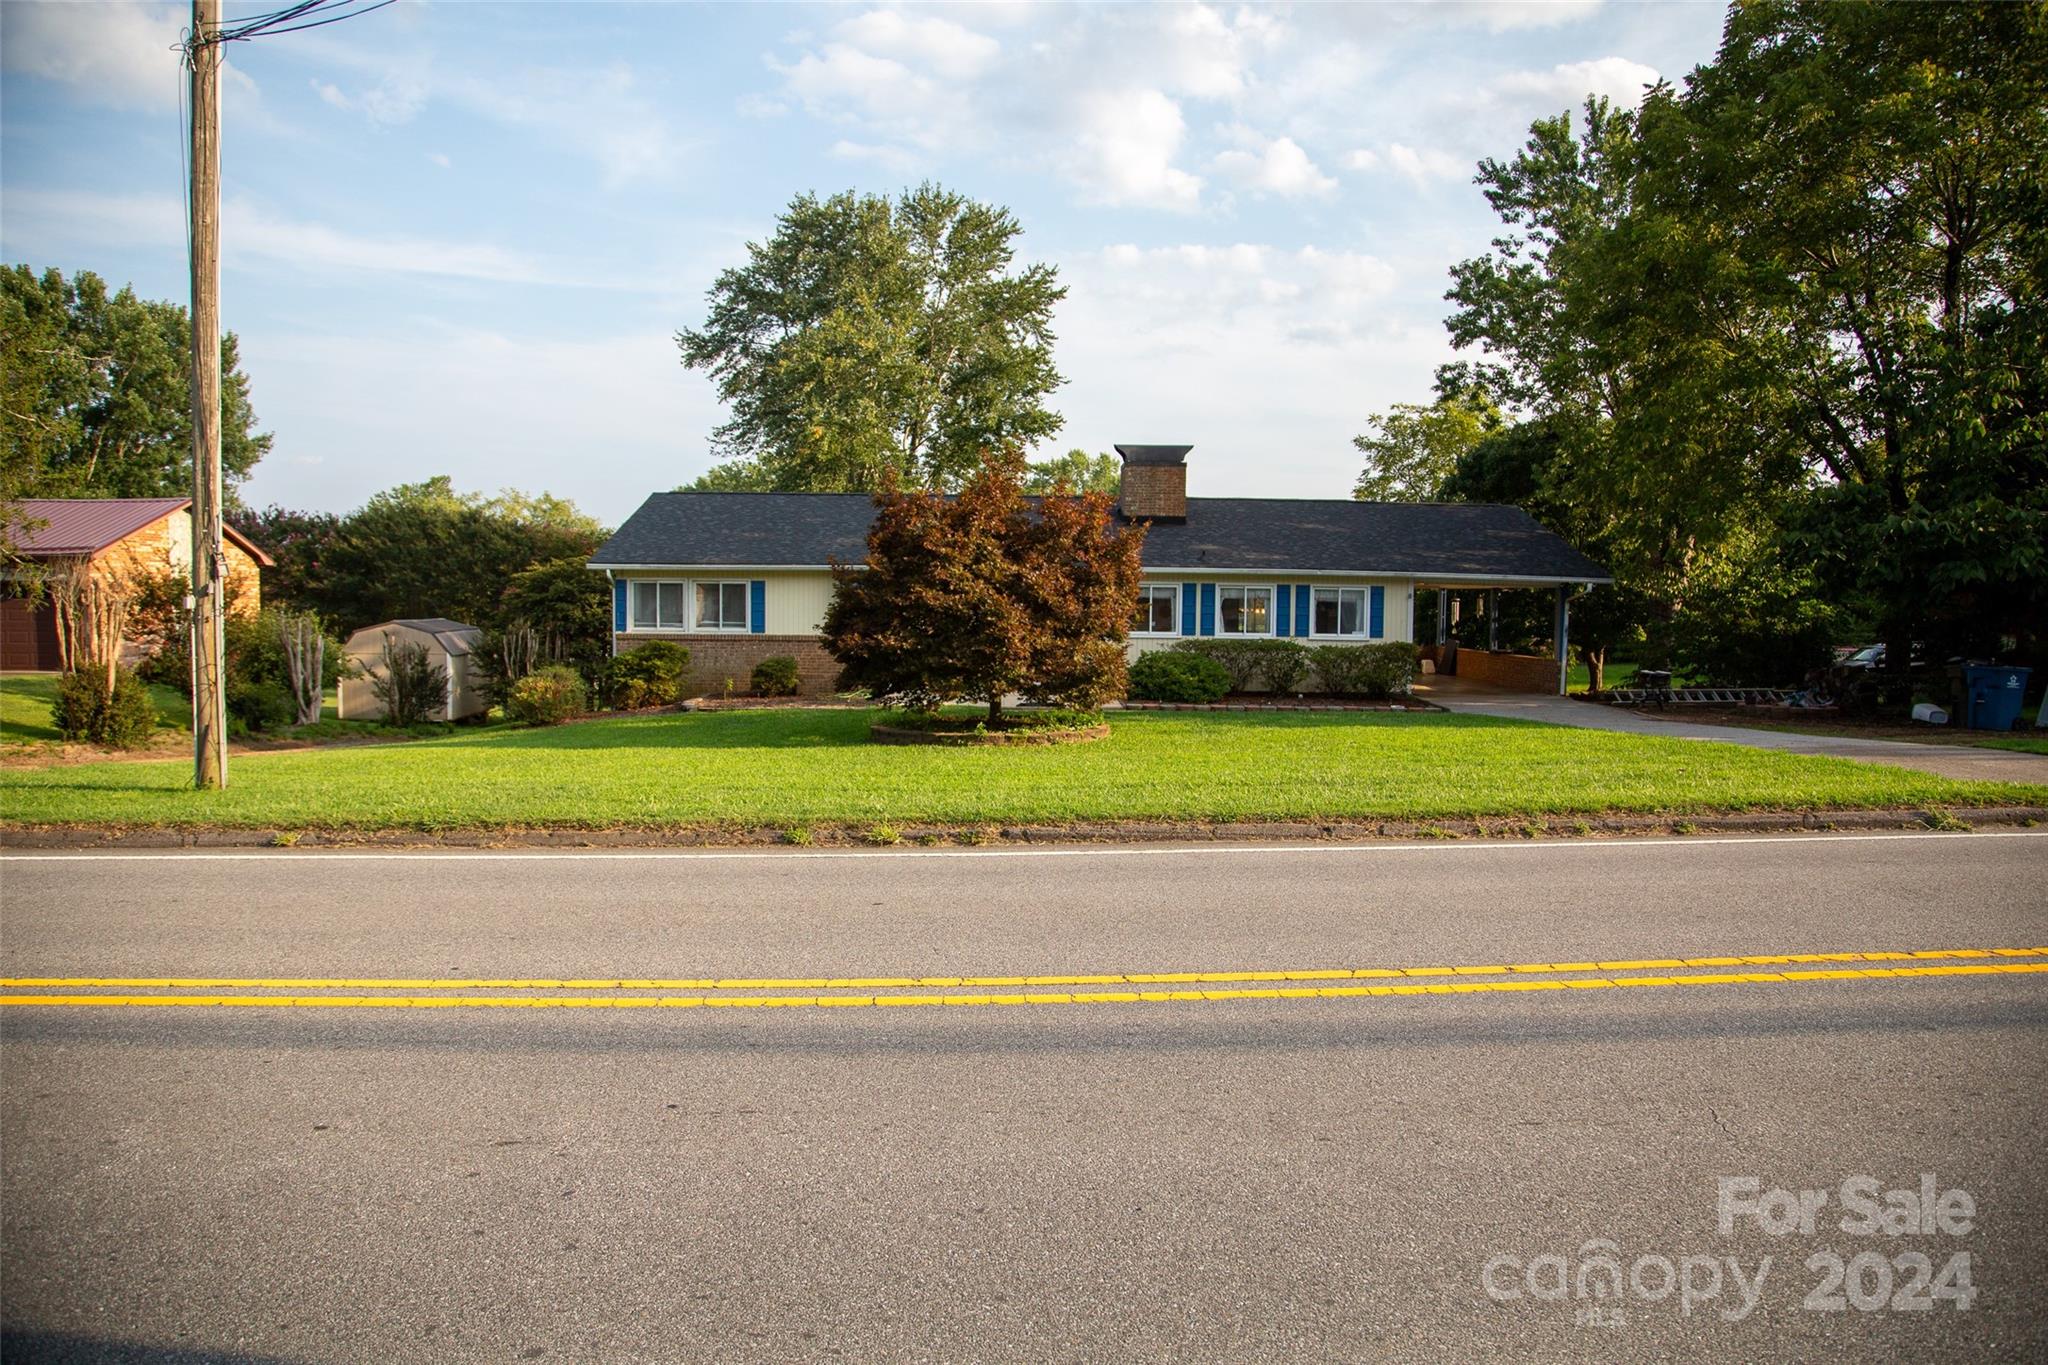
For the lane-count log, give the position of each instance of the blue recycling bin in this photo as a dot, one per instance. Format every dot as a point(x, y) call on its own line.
point(1991, 695)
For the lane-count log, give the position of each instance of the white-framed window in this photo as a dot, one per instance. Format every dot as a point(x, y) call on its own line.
point(1339, 612)
point(1244, 611)
point(1158, 610)
point(721, 606)
point(658, 604)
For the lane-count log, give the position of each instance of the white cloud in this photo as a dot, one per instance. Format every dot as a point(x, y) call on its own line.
point(1266, 357)
point(53, 222)
point(440, 159)
point(908, 77)
point(937, 46)
point(1421, 165)
point(601, 112)
point(897, 160)
point(1123, 148)
point(1568, 83)
point(122, 54)
point(1276, 166)
point(1199, 53)
point(372, 410)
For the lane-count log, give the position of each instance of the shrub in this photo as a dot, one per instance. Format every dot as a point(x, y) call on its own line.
point(259, 707)
point(1377, 671)
point(1171, 675)
point(1276, 665)
point(411, 686)
point(649, 674)
point(776, 677)
point(547, 696)
point(87, 710)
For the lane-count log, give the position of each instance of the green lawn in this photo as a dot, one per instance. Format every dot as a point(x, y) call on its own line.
point(783, 768)
point(2019, 744)
point(1613, 676)
point(25, 700)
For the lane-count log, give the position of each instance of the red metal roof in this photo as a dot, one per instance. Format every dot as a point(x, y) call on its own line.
point(85, 526)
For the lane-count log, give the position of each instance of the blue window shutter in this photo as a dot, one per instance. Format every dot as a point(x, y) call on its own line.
point(1379, 613)
point(619, 605)
point(1283, 598)
point(1208, 609)
point(1302, 619)
point(1187, 608)
point(757, 606)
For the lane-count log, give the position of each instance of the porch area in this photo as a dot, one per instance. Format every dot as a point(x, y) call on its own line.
point(1497, 667)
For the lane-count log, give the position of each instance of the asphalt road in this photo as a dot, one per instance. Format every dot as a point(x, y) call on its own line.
point(1228, 1178)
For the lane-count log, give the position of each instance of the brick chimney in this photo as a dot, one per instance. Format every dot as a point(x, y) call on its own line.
point(1155, 483)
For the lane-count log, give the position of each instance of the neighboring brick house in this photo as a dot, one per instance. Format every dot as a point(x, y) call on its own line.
point(117, 537)
point(738, 577)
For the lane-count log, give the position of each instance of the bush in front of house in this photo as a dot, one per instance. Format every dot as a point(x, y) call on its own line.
point(776, 676)
point(547, 696)
point(649, 674)
point(87, 710)
point(1375, 671)
point(1275, 665)
point(1179, 676)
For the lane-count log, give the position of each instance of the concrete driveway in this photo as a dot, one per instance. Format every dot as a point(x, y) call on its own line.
point(1944, 760)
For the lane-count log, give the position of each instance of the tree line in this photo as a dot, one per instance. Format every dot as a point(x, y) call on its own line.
point(1773, 345)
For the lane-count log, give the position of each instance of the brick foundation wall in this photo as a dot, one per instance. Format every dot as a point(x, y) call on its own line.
point(714, 658)
point(1522, 672)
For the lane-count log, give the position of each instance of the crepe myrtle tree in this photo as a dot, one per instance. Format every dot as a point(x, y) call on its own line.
point(985, 593)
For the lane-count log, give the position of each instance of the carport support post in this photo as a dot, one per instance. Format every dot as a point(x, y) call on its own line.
point(1564, 638)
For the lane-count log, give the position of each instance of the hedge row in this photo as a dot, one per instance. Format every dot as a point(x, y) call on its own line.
point(1376, 671)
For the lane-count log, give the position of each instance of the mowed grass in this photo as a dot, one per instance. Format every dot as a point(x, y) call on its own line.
point(802, 767)
point(26, 698)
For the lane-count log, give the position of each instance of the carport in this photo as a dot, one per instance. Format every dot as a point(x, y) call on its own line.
point(1512, 670)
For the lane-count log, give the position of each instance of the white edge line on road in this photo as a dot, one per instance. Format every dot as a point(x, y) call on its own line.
point(313, 855)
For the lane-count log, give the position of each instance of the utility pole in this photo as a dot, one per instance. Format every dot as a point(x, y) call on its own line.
point(209, 690)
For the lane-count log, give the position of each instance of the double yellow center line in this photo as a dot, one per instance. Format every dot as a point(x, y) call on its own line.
point(916, 991)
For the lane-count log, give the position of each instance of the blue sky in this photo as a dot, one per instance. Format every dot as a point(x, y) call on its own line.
point(459, 237)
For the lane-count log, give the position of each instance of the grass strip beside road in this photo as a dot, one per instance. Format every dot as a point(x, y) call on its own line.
point(795, 768)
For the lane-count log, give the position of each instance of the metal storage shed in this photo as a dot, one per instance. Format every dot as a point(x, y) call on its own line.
point(450, 646)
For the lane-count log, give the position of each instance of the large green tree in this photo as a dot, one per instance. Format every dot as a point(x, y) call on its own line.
point(1076, 472)
point(870, 337)
point(95, 393)
point(1793, 313)
point(1412, 448)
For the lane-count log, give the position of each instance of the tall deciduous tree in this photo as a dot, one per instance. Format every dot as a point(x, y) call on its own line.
point(1076, 472)
point(870, 338)
point(983, 594)
point(1412, 448)
point(95, 393)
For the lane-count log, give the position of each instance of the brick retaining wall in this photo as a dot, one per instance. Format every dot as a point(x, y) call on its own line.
point(1522, 672)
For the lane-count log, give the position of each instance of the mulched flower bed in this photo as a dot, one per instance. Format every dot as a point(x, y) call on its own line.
point(769, 704)
point(1262, 703)
point(968, 735)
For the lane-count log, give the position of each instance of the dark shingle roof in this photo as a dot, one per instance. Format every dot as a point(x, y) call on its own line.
point(1403, 540)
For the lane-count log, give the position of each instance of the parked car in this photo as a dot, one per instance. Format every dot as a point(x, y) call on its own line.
point(1873, 657)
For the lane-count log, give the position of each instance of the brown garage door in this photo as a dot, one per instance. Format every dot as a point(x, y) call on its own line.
point(28, 636)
